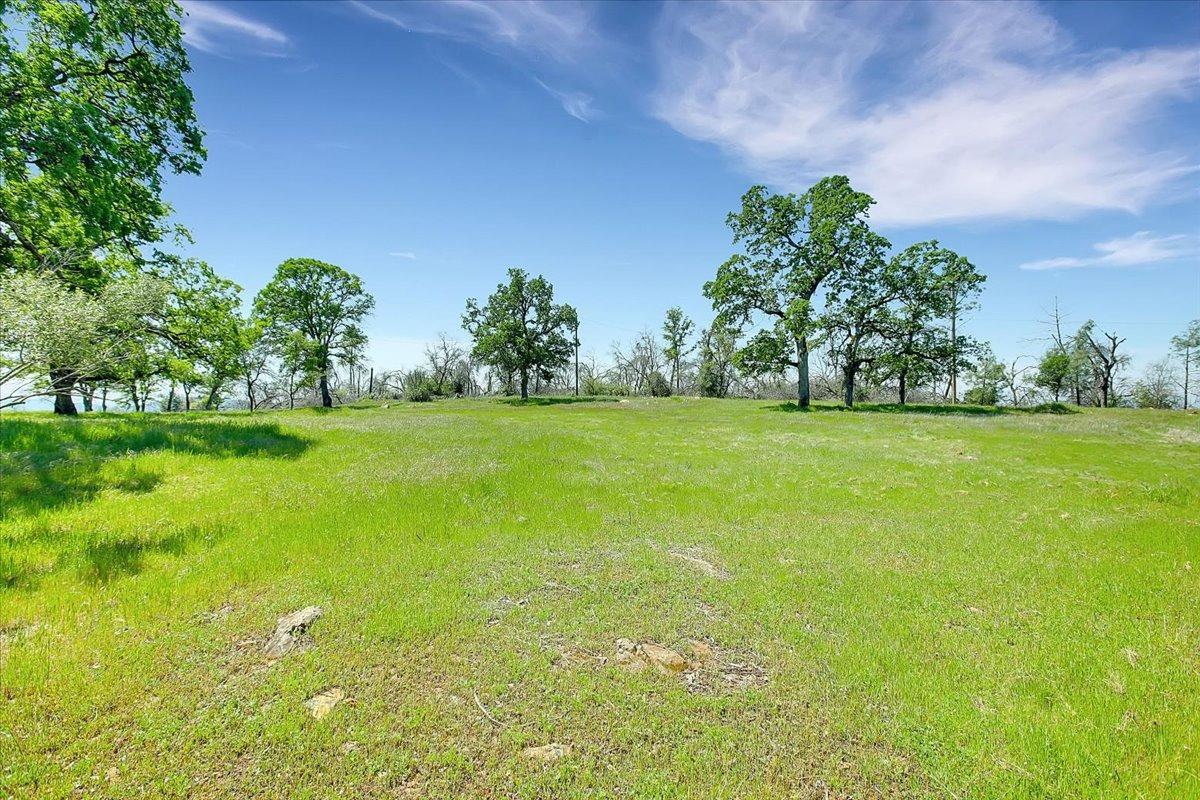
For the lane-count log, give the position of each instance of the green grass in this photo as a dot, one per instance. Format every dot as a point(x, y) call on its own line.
point(983, 605)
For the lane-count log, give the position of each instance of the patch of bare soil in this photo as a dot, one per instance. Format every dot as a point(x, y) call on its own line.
point(704, 667)
point(694, 558)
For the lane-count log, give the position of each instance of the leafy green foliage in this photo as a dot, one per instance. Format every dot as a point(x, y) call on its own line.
point(520, 330)
point(987, 376)
point(93, 108)
point(677, 329)
point(930, 283)
point(47, 324)
point(658, 385)
point(718, 350)
point(321, 302)
point(791, 244)
point(1054, 372)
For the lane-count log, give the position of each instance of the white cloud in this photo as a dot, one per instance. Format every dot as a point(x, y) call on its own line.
point(577, 104)
point(942, 111)
point(1140, 249)
point(215, 29)
point(407, 254)
point(562, 31)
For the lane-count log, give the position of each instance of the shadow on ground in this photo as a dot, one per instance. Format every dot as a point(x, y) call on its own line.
point(104, 558)
point(51, 462)
point(554, 401)
point(929, 408)
point(98, 556)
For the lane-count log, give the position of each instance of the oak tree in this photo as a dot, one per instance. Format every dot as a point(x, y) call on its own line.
point(322, 302)
point(520, 330)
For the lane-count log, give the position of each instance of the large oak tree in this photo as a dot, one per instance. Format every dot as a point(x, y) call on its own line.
point(520, 330)
point(323, 303)
point(791, 244)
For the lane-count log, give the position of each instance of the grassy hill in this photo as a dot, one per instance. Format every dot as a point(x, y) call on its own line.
point(863, 603)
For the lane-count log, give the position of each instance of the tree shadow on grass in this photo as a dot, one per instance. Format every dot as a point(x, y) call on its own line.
point(50, 462)
point(555, 401)
point(98, 556)
point(930, 408)
point(105, 558)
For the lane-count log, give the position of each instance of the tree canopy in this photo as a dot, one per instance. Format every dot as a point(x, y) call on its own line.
point(520, 330)
point(791, 244)
point(322, 302)
point(93, 109)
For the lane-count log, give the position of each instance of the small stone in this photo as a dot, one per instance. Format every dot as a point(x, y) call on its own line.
point(349, 747)
point(547, 752)
point(320, 704)
point(112, 774)
point(664, 659)
point(625, 646)
point(288, 629)
point(703, 651)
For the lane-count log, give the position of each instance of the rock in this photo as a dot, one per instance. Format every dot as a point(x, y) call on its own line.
point(386, 405)
point(112, 774)
point(703, 651)
point(288, 630)
point(664, 659)
point(349, 747)
point(321, 703)
point(628, 657)
point(547, 752)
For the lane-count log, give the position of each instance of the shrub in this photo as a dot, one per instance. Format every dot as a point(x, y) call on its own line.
point(981, 396)
point(419, 392)
point(709, 381)
point(419, 387)
point(593, 387)
point(658, 385)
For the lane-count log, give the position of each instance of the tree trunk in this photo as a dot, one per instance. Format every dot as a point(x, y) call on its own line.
point(87, 400)
point(1187, 358)
point(802, 394)
point(171, 398)
point(954, 350)
point(326, 398)
point(103, 399)
point(524, 384)
point(848, 384)
point(62, 380)
point(903, 385)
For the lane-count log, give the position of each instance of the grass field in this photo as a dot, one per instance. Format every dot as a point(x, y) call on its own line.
point(982, 605)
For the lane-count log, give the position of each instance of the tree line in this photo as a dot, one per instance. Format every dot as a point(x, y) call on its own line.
point(95, 109)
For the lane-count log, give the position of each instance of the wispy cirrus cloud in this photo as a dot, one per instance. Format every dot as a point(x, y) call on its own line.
point(1140, 249)
point(579, 105)
point(561, 34)
point(942, 111)
point(405, 254)
point(219, 30)
point(562, 31)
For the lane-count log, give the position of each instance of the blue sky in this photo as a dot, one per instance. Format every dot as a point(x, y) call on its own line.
point(428, 147)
